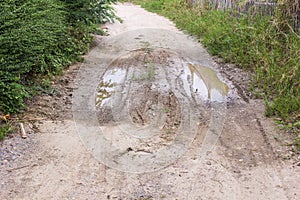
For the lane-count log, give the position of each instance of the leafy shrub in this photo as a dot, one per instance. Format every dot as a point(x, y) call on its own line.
point(41, 37)
point(34, 42)
point(90, 11)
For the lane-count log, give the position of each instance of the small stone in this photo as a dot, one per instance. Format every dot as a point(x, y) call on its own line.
point(208, 163)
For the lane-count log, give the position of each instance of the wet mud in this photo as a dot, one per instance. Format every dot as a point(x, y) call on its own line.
point(154, 90)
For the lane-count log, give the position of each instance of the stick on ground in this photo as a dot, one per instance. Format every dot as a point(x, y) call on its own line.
point(23, 132)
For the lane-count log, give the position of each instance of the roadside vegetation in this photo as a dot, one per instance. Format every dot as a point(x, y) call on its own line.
point(38, 39)
point(265, 45)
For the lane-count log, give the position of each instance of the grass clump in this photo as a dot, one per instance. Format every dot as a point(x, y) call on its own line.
point(5, 128)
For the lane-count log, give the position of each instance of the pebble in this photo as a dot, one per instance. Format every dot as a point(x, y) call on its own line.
point(11, 148)
point(236, 171)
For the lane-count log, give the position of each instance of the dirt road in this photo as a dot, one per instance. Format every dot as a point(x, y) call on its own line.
point(149, 115)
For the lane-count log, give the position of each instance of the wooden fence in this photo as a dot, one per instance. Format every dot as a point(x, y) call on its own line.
point(290, 9)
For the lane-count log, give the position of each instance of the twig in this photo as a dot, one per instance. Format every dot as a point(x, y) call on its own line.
point(10, 170)
point(292, 30)
point(23, 133)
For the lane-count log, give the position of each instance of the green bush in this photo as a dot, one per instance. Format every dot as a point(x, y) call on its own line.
point(90, 11)
point(41, 37)
point(34, 41)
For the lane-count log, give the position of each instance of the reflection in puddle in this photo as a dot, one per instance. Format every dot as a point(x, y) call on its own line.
point(107, 86)
point(206, 82)
point(196, 79)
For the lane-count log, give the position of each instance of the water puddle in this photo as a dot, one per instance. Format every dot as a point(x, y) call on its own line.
point(206, 82)
point(196, 80)
point(106, 87)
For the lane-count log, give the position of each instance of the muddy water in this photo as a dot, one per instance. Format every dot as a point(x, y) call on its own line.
point(197, 80)
point(107, 85)
point(206, 79)
point(149, 98)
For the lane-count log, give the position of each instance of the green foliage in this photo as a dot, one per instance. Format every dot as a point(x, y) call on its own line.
point(5, 128)
point(39, 38)
point(297, 144)
point(90, 11)
point(34, 42)
point(12, 95)
point(264, 45)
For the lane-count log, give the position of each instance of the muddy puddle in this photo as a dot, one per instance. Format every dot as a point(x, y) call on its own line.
point(206, 82)
point(106, 87)
point(150, 105)
point(156, 96)
point(145, 68)
point(142, 106)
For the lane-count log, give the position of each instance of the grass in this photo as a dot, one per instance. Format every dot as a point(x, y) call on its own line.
point(5, 128)
point(148, 75)
point(265, 46)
